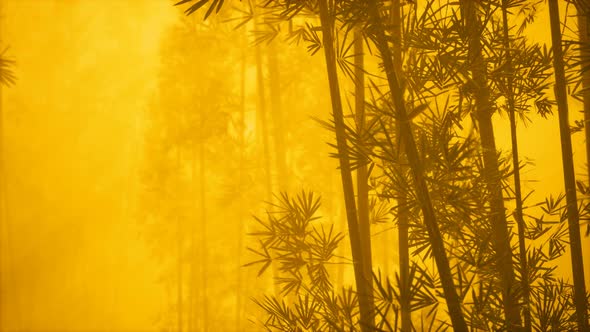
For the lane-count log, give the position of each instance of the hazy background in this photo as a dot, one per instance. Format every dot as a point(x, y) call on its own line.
point(85, 71)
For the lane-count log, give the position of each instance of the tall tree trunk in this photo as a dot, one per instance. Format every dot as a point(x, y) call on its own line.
point(403, 218)
point(334, 209)
point(263, 119)
point(584, 35)
point(518, 215)
point(179, 276)
point(483, 116)
point(362, 179)
point(422, 194)
point(362, 284)
point(568, 171)
point(193, 286)
point(262, 115)
point(204, 229)
point(242, 144)
point(179, 257)
point(196, 291)
point(279, 134)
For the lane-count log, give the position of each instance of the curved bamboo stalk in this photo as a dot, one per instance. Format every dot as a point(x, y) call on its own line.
point(424, 200)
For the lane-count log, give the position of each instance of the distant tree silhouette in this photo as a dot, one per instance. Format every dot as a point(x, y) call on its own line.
point(185, 123)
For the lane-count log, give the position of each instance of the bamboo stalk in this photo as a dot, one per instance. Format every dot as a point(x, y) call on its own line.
point(403, 218)
point(362, 180)
point(424, 200)
point(362, 285)
point(569, 178)
point(483, 116)
point(518, 215)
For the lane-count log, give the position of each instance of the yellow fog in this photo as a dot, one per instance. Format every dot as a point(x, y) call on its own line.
point(74, 256)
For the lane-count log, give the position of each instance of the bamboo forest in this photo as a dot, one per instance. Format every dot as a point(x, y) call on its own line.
point(294, 165)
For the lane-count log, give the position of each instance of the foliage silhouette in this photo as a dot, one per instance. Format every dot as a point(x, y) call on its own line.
point(427, 140)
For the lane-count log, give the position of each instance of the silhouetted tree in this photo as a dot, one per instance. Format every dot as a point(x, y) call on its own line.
point(403, 222)
point(580, 299)
point(362, 178)
point(483, 115)
point(422, 192)
point(449, 185)
point(185, 123)
point(363, 284)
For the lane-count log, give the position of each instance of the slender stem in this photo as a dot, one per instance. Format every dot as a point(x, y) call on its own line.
point(204, 229)
point(263, 121)
point(584, 33)
point(179, 245)
point(276, 113)
point(362, 171)
point(483, 116)
point(423, 195)
point(194, 287)
point(518, 215)
point(242, 145)
point(265, 134)
point(568, 170)
point(362, 285)
point(403, 219)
